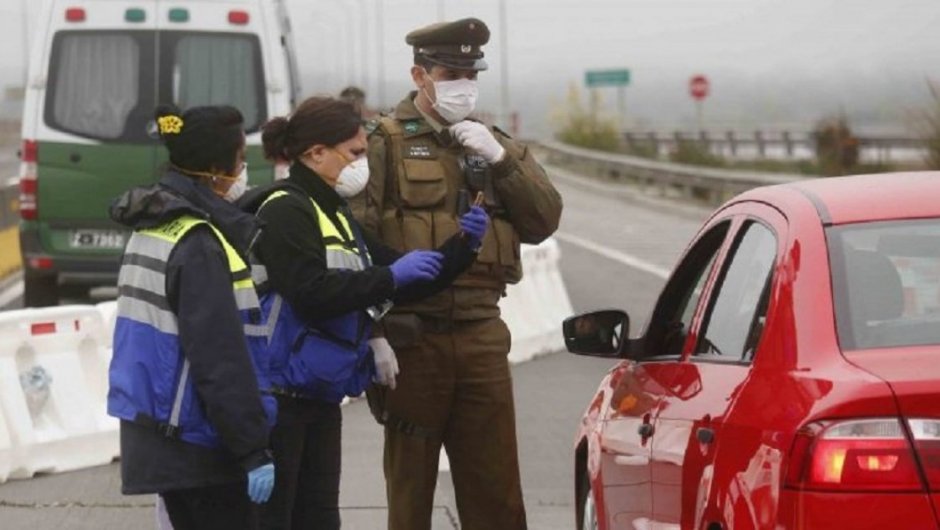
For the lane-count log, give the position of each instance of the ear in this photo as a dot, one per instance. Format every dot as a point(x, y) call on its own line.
point(418, 76)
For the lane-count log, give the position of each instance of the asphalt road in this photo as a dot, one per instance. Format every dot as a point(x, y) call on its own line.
point(617, 246)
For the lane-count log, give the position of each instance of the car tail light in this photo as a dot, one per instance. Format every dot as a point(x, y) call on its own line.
point(855, 455)
point(29, 180)
point(926, 435)
point(238, 17)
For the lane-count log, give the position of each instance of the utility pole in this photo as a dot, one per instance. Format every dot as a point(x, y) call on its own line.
point(504, 66)
point(379, 55)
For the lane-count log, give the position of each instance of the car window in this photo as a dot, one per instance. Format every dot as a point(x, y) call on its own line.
point(886, 283)
point(739, 304)
point(672, 316)
point(217, 69)
point(97, 86)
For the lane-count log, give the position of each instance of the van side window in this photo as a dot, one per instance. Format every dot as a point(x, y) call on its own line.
point(94, 83)
point(216, 69)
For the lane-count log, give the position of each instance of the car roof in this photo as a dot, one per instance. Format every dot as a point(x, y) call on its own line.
point(861, 198)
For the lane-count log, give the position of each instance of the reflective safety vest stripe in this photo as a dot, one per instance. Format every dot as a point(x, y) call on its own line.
point(150, 381)
point(328, 359)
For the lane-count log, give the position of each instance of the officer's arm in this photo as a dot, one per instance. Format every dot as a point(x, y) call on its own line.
point(367, 206)
point(532, 202)
point(291, 248)
point(458, 256)
point(199, 289)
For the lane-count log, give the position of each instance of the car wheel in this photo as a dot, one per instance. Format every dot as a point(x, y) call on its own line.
point(40, 290)
point(588, 509)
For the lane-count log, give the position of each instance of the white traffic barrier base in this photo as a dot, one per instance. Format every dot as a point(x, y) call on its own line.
point(535, 307)
point(53, 390)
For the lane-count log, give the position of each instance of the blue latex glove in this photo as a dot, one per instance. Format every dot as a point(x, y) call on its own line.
point(417, 266)
point(261, 483)
point(473, 224)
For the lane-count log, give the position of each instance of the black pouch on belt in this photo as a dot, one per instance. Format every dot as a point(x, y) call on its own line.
point(402, 329)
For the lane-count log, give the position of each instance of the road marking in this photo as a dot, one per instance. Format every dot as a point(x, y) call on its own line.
point(609, 253)
point(11, 293)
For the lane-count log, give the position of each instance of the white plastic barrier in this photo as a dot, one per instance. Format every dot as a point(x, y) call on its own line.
point(535, 307)
point(53, 389)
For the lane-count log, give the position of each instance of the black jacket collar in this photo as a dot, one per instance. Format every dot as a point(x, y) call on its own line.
point(317, 188)
point(177, 195)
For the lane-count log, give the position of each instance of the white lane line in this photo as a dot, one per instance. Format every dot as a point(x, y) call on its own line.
point(609, 253)
point(11, 293)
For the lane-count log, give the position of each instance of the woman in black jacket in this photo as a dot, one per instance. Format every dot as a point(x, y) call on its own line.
point(331, 276)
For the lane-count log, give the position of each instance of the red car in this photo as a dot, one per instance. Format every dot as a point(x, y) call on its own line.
point(789, 376)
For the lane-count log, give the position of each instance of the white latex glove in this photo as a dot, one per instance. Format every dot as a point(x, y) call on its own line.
point(478, 138)
point(386, 364)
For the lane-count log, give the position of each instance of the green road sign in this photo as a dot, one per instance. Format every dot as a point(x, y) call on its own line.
point(594, 78)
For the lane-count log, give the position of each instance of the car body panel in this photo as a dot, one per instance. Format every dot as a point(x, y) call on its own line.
point(799, 375)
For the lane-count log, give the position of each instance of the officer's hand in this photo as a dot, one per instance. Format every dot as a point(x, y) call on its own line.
point(416, 266)
point(386, 364)
point(473, 224)
point(478, 138)
point(261, 483)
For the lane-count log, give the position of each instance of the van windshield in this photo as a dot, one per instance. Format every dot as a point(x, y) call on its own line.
point(104, 85)
point(886, 283)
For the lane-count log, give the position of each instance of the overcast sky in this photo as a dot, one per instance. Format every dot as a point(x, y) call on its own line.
point(775, 62)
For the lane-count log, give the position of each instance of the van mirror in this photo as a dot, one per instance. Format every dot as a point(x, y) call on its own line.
point(597, 334)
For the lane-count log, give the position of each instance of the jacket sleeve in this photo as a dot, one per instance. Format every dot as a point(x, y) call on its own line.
point(457, 258)
point(291, 248)
point(532, 202)
point(199, 289)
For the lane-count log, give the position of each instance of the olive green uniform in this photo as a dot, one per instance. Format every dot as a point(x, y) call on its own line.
point(455, 386)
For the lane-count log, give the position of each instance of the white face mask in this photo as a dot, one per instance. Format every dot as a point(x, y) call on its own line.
point(353, 178)
point(456, 99)
point(238, 187)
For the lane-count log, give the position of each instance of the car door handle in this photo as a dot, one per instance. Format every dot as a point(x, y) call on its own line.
point(705, 435)
point(645, 430)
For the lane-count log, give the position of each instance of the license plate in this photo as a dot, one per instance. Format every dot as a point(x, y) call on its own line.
point(97, 239)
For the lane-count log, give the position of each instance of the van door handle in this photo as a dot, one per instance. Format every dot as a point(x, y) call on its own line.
point(645, 430)
point(75, 158)
point(705, 435)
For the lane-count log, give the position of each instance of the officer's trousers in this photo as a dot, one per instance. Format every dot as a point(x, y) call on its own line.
point(306, 443)
point(455, 389)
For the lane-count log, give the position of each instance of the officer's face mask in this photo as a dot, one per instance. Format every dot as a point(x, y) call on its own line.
point(239, 186)
point(454, 100)
point(353, 178)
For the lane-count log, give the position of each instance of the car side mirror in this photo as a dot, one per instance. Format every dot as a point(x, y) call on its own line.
point(598, 334)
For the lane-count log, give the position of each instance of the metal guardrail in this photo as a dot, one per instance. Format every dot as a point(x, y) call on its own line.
point(710, 185)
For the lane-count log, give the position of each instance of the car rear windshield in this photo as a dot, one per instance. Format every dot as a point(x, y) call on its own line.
point(886, 281)
point(104, 85)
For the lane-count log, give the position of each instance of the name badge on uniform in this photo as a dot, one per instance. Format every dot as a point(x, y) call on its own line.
point(419, 151)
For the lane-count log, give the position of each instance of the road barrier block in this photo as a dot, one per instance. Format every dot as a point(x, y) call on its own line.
point(535, 307)
point(53, 389)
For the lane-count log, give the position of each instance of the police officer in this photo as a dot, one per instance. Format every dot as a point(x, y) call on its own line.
point(427, 162)
point(185, 378)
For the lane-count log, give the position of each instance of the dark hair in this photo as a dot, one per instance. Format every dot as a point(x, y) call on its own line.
point(318, 120)
point(201, 139)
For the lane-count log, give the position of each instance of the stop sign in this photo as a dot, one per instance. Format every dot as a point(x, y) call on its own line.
point(698, 87)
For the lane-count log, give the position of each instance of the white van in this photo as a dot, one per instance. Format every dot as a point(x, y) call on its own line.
point(98, 68)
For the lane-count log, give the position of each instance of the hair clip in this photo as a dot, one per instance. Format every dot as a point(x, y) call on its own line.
point(170, 124)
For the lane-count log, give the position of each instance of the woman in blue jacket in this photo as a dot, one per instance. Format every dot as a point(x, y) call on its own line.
point(187, 372)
